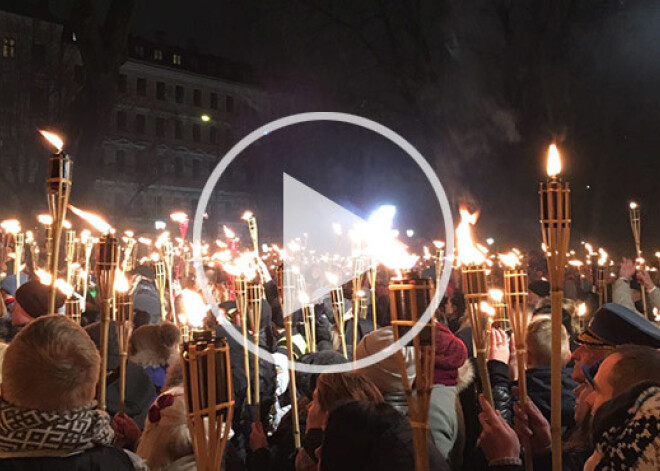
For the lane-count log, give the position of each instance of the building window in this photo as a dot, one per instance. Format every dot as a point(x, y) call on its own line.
point(178, 129)
point(178, 94)
point(176, 59)
point(139, 50)
point(160, 90)
point(197, 97)
point(122, 83)
point(9, 48)
point(213, 134)
point(229, 104)
point(158, 55)
point(160, 127)
point(140, 123)
point(120, 161)
point(197, 132)
point(214, 101)
point(178, 167)
point(196, 168)
point(121, 120)
point(141, 87)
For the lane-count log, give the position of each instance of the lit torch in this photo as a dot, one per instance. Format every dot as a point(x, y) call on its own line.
point(124, 305)
point(58, 189)
point(636, 226)
point(555, 211)
point(473, 271)
point(254, 231)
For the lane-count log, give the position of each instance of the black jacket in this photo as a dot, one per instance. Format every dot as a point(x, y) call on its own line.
point(101, 458)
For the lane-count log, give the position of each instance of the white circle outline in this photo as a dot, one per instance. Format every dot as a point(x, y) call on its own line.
point(378, 128)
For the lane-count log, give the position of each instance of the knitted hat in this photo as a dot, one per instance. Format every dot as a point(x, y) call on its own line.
point(450, 354)
point(627, 431)
point(540, 288)
point(385, 374)
point(33, 298)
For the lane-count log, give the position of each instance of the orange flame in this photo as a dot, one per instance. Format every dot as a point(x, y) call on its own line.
point(55, 140)
point(229, 234)
point(121, 282)
point(94, 220)
point(194, 307)
point(468, 253)
point(179, 217)
point(247, 215)
point(554, 161)
point(510, 260)
point(11, 226)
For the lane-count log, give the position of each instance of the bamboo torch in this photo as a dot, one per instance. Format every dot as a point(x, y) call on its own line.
point(254, 231)
point(167, 252)
point(124, 321)
point(555, 226)
point(358, 270)
point(161, 282)
point(287, 289)
point(255, 294)
point(88, 242)
point(19, 245)
point(309, 318)
point(372, 274)
point(338, 310)
point(70, 253)
point(58, 189)
point(241, 303)
point(409, 298)
point(107, 253)
point(635, 225)
point(475, 289)
point(515, 292)
point(208, 391)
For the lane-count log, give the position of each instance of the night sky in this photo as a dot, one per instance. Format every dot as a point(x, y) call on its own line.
point(480, 88)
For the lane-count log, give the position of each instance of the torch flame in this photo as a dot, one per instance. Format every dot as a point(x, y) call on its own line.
point(194, 307)
point(602, 259)
point(468, 253)
point(303, 298)
point(633, 205)
point(45, 219)
point(332, 278)
point(438, 244)
point(554, 161)
point(121, 282)
point(496, 295)
point(247, 215)
point(229, 234)
point(582, 309)
point(94, 220)
point(145, 240)
point(575, 263)
point(487, 309)
point(179, 217)
point(162, 238)
point(590, 249)
point(509, 260)
point(45, 278)
point(11, 226)
point(55, 140)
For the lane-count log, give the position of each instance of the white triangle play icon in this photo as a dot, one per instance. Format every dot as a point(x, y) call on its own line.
point(318, 236)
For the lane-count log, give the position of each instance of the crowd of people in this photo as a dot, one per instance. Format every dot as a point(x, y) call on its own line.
point(610, 404)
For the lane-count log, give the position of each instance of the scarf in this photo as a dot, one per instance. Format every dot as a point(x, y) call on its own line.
point(29, 432)
point(631, 440)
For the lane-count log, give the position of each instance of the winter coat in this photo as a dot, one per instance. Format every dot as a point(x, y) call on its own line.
point(538, 391)
point(100, 458)
point(186, 463)
point(140, 393)
point(622, 294)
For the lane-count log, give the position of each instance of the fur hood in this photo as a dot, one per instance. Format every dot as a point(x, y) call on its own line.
point(465, 376)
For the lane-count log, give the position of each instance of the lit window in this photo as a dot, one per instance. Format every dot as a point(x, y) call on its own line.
point(9, 48)
point(176, 59)
point(158, 55)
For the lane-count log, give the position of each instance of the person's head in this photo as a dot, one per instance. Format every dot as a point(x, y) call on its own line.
point(166, 437)
point(335, 388)
point(153, 344)
point(536, 291)
point(385, 374)
point(539, 343)
point(94, 332)
point(627, 366)
point(306, 382)
point(32, 302)
point(51, 365)
point(610, 326)
point(364, 435)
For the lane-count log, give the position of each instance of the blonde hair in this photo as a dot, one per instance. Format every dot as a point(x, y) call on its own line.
point(539, 342)
point(168, 439)
point(51, 365)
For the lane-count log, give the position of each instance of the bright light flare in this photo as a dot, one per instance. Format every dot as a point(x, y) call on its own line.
point(194, 307)
point(247, 215)
point(54, 140)
point(121, 282)
point(510, 260)
point(179, 217)
point(633, 205)
point(496, 295)
point(94, 220)
point(468, 253)
point(229, 234)
point(582, 310)
point(11, 226)
point(554, 161)
point(45, 219)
